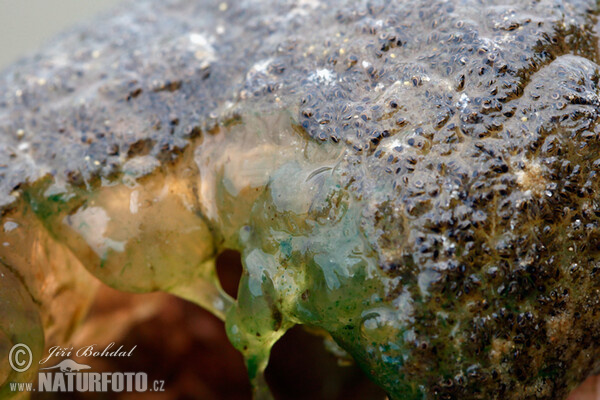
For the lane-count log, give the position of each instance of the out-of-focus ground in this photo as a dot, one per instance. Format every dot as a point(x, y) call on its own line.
point(177, 341)
point(589, 390)
point(26, 25)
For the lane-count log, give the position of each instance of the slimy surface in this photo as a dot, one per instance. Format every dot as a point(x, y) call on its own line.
point(418, 180)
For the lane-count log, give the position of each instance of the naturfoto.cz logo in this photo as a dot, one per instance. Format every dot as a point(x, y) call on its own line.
point(71, 376)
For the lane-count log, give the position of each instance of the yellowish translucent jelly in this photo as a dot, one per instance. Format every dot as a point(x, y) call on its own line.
point(272, 194)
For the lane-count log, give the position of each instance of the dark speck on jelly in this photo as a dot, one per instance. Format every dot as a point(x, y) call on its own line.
point(417, 179)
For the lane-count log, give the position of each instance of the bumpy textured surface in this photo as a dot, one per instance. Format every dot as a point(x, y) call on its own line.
point(418, 179)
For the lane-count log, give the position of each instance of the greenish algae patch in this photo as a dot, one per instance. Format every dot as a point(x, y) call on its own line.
point(308, 247)
point(306, 259)
point(428, 198)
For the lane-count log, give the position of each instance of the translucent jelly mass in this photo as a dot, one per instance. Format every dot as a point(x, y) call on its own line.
point(419, 181)
point(273, 194)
